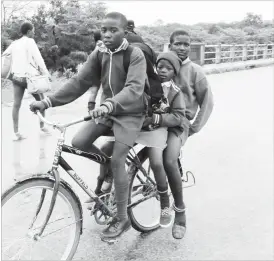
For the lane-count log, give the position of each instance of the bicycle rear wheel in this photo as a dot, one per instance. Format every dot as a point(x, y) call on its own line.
point(144, 205)
point(61, 236)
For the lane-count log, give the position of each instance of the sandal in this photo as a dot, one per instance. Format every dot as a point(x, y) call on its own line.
point(178, 229)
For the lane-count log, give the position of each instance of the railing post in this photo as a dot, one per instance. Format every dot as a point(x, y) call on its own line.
point(232, 53)
point(265, 52)
point(218, 53)
point(255, 52)
point(165, 47)
point(244, 58)
point(202, 54)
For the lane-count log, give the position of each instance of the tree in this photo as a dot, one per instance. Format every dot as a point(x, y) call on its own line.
point(12, 9)
point(57, 10)
point(39, 21)
point(252, 20)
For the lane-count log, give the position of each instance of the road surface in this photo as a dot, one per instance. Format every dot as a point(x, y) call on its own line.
point(229, 211)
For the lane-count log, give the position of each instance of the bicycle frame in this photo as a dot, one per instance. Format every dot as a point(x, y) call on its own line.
point(101, 158)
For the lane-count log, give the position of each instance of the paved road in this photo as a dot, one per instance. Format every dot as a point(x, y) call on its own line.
point(230, 211)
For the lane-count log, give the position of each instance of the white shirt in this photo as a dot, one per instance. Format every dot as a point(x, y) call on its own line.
point(26, 58)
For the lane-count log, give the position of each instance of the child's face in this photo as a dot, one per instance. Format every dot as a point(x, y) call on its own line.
point(165, 70)
point(181, 45)
point(112, 33)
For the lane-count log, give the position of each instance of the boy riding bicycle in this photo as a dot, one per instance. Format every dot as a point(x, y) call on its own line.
point(122, 103)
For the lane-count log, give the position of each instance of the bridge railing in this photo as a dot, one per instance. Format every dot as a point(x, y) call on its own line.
point(223, 53)
point(236, 52)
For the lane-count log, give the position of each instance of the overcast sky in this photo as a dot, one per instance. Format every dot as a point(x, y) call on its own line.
point(185, 12)
point(190, 12)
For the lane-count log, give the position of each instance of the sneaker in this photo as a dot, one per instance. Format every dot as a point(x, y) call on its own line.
point(107, 184)
point(115, 229)
point(166, 217)
point(45, 131)
point(18, 136)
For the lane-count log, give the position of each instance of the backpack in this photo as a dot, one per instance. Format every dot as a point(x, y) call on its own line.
point(153, 88)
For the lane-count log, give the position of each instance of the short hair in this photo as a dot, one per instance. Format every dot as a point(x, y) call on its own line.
point(176, 33)
point(130, 23)
point(118, 16)
point(25, 27)
point(97, 35)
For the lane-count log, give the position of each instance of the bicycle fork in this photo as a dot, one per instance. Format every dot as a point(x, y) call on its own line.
point(56, 176)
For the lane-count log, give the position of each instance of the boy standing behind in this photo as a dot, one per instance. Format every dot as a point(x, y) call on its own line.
point(122, 98)
point(197, 94)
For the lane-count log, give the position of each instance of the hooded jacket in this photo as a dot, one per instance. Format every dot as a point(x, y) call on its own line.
point(122, 93)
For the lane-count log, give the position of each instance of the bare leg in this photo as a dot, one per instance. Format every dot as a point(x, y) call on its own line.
point(18, 93)
point(171, 155)
point(156, 164)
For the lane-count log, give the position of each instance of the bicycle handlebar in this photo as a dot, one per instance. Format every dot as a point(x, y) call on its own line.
point(61, 126)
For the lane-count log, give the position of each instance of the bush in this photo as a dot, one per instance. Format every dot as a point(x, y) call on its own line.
point(68, 73)
point(67, 63)
point(5, 42)
point(78, 56)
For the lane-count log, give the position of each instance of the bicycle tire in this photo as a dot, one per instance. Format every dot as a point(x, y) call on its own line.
point(134, 221)
point(63, 192)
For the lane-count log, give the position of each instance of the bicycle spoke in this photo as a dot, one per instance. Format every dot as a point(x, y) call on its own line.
point(44, 235)
point(31, 248)
point(50, 249)
point(21, 250)
point(134, 204)
point(59, 219)
point(15, 241)
point(100, 215)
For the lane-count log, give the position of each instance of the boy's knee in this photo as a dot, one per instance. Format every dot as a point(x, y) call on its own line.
point(170, 163)
point(117, 163)
point(119, 155)
point(157, 167)
point(77, 142)
point(107, 148)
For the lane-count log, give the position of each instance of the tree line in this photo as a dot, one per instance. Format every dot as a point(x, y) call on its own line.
point(64, 30)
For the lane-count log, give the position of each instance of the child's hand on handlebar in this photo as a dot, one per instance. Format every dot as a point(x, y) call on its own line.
point(99, 112)
point(37, 106)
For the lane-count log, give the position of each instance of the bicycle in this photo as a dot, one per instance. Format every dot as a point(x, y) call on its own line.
point(56, 202)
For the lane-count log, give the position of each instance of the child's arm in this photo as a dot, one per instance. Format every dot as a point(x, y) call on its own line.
point(205, 100)
point(176, 117)
point(134, 86)
point(77, 85)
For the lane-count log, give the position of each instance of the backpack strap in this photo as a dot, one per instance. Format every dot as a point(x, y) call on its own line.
point(126, 58)
point(99, 63)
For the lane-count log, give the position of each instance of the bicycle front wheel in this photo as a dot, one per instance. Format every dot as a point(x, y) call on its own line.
point(20, 222)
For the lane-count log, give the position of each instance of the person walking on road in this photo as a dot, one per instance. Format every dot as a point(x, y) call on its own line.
point(24, 51)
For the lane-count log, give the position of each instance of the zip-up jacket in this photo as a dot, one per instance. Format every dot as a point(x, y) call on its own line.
point(123, 93)
point(175, 119)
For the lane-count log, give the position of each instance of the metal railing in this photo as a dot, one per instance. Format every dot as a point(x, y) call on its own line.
point(235, 52)
point(223, 53)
